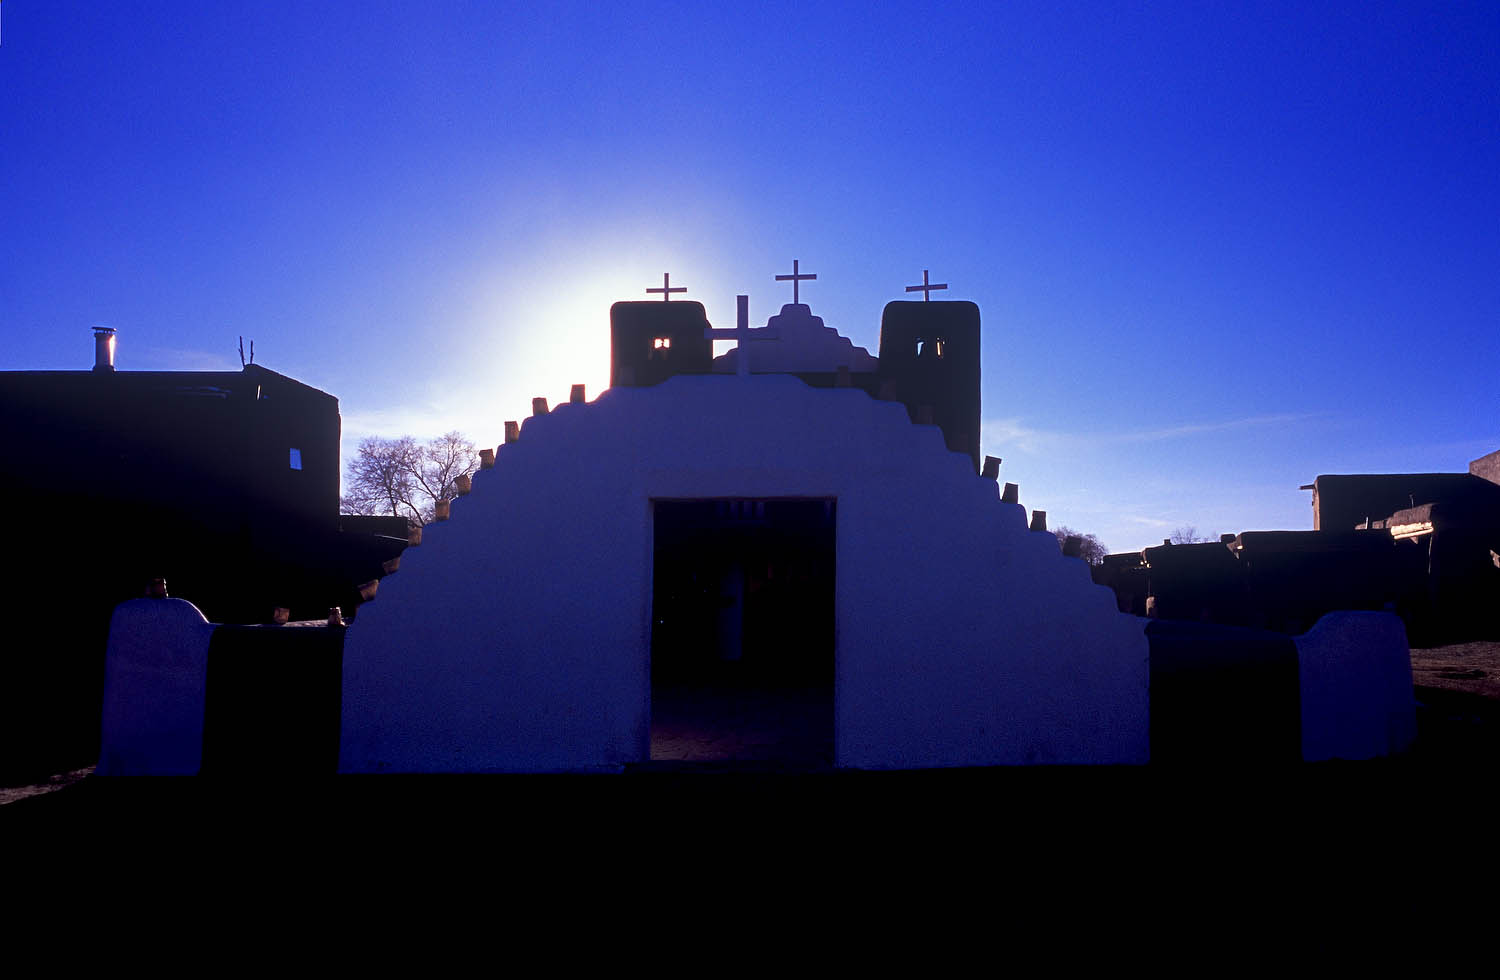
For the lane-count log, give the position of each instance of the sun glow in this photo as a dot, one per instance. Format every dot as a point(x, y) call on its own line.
point(563, 340)
point(538, 325)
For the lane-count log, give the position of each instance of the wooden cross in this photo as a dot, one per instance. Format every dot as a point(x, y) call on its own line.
point(740, 335)
point(667, 289)
point(796, 280)
point(926, 288)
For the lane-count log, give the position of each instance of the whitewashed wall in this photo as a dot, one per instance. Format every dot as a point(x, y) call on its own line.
point(515, 637)
point(155, 684)
point(1356, 688)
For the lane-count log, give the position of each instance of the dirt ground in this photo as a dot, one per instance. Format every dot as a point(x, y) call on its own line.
point(1472, 668)
point(10, 794)
point(1458, 704)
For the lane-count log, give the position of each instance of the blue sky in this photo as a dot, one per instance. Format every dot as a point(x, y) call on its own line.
point(1217, 252)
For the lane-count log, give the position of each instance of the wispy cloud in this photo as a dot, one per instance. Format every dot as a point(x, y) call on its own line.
point(175, 359)
point(1016, 434)
point(423, 422)
point(1199, 428)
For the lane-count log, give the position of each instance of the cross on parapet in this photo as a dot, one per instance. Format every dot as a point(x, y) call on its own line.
point(667, 289)
point(926, 288)
point(740, 335)
point(796, 280)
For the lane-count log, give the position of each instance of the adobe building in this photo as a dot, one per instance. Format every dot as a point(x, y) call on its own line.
point(1344, 502)
point(719, 560)
point(223, 483)
point(754, 535)
point(1445, 529)
point(1424, 545)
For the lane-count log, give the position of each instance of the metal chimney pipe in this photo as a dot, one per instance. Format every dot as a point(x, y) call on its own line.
point(104, 348)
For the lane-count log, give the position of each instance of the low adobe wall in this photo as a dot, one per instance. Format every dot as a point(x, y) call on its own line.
point(183, 696)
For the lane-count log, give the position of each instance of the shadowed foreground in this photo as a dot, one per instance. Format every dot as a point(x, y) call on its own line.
point(1328, 854)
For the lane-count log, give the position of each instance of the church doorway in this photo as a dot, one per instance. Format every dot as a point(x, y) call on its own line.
point(742, 631)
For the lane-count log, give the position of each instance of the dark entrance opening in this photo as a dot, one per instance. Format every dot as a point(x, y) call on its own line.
point(742, 631)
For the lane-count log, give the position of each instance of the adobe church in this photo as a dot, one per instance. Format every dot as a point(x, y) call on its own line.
point(787, 553)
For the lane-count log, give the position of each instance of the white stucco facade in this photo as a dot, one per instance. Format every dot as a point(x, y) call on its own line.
point(1354, 674)
point(516, 637)
point(155, 685)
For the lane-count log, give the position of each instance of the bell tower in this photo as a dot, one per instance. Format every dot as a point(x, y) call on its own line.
point(929, 360)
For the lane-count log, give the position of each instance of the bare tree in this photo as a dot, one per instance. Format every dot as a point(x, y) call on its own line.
point(378, 480)
point(1188, 534)
point(404, 478)
point(1092, 550)
point(444, 460)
